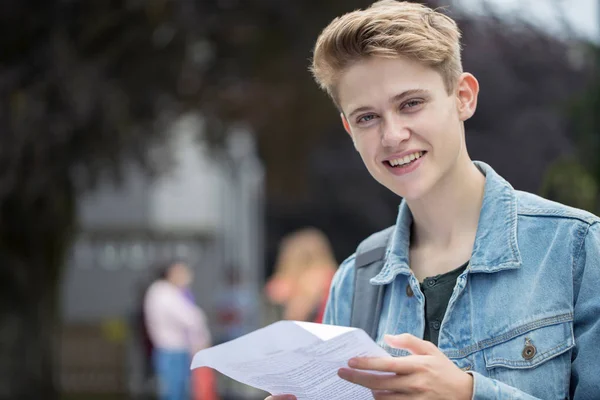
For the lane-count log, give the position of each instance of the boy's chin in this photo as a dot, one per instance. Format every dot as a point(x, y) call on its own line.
point(409, 192)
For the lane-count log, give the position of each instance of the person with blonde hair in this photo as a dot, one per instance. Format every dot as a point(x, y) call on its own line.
point(480, 291)
point(303, 273)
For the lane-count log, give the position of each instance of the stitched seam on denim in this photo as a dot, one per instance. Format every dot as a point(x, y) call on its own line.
point(510, 335)
point(513, 228)
point(387, 274)
point(578, 255)
point(502, 362)
point(543, 212)
point(483, 268)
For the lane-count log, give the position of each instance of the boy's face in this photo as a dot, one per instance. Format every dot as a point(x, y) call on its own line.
point(407, 129)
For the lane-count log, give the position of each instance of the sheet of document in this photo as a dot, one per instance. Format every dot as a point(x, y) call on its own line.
point(291, 357)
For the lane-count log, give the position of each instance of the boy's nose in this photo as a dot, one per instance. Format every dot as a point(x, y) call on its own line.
point(394, 133)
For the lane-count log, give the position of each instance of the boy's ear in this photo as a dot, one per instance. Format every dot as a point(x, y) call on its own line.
point(467, 92)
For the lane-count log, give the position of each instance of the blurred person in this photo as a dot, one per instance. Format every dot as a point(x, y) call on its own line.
point(142, 341)
point(303, 274)
point(236, 306)
point(203, 381)
point(177, 328)
point(487, 292)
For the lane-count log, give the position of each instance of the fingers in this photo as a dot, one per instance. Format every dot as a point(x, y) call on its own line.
point(389, 395)
point(412, 344)
point(401, 365)
point(372, 381)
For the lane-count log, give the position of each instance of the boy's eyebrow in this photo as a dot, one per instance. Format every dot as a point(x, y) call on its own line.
point(394, 99)
point(408, 93)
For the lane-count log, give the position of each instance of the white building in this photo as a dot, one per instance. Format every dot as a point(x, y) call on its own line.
point(208, 209)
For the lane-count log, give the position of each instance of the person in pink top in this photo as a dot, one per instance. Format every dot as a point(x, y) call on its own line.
point(177, 328)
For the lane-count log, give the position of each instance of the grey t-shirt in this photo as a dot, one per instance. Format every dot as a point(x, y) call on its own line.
point(437, 291)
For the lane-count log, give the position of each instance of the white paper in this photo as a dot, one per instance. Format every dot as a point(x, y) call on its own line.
point(291, 357)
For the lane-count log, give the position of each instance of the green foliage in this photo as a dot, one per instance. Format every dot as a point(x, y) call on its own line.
point(576, 180)
point(585, 117)
point(569, 182)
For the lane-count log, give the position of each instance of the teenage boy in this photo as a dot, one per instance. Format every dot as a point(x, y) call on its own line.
point(486, 292)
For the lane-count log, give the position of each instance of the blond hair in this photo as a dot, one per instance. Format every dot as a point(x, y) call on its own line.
point(388, 29)
point(303, 250)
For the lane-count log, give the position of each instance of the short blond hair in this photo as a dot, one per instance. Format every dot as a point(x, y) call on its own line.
point(389, 29)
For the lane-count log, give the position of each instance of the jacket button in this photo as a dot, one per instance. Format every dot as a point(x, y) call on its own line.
point(409, 291)
point(529, 350)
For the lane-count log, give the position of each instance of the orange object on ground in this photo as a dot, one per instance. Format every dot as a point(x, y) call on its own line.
point(204, 384)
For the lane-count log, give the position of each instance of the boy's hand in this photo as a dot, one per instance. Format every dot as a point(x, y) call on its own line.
point(426, 374)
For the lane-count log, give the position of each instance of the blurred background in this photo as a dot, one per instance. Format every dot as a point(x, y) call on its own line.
point(137, 132)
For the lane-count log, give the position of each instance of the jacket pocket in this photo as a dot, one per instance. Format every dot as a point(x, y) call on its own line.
point(532, 348)
point(537, 362)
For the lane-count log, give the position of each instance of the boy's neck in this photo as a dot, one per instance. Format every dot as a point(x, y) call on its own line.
point(449, 214)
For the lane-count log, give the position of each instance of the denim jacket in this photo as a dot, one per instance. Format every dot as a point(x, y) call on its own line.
point(524, 317)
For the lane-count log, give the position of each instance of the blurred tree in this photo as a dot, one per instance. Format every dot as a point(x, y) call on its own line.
point(83, 87)
point(259, 74)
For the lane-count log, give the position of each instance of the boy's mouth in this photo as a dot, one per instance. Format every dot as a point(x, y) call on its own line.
point(406, 160)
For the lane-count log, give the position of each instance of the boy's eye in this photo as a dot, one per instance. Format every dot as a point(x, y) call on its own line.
point(412, 103)
point(366, 118)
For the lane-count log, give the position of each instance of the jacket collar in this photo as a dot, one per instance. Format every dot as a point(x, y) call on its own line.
point(495, 247)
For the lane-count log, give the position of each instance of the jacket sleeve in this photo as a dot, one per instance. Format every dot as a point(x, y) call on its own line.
point(339, 302)
point(485, 388)
point(585, 383)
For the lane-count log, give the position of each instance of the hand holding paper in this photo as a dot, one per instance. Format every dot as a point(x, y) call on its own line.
point(298, 358)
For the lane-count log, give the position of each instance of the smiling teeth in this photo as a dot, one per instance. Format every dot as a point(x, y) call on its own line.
point(406, 159)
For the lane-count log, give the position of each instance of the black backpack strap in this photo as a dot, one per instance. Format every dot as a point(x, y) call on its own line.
point(368, 299)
